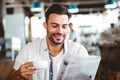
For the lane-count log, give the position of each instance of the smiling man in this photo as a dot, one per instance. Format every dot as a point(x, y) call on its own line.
point(57, 29)
point(53, 48)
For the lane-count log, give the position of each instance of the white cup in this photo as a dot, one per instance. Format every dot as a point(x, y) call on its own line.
point(42, 70)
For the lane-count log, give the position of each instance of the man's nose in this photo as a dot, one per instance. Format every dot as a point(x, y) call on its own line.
point(59, 29)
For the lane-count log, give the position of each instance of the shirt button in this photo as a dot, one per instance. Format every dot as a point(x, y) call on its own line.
point(50, 73)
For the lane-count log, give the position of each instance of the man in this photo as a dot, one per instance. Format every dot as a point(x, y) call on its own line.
point(72, 34)
point(53, 48)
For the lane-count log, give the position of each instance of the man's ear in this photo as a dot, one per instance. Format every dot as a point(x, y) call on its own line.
point(45, 25)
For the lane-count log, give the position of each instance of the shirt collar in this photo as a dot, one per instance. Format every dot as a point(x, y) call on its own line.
point(44, 43)
point(45, 46)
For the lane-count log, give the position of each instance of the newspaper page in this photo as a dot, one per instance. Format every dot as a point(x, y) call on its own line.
point(79, 68)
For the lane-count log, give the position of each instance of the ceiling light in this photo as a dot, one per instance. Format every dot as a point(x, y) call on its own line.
point(72, 8)
point(36, 6)
point(111, 4)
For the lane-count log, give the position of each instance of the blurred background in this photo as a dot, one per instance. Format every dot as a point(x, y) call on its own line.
point(96, 24)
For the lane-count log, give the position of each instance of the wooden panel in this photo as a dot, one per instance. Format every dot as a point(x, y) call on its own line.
point(108, 71)
point(5, 67)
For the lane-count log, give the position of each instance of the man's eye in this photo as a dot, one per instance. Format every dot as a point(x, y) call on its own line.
point(65, 26)
point(54, 26)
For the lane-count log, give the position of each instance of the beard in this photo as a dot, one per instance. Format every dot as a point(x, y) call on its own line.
point(56, 38)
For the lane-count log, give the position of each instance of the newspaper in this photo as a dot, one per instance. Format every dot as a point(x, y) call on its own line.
point(79, 68)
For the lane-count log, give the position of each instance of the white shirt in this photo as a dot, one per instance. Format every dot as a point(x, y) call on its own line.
point(38, 50)
point(56, 64)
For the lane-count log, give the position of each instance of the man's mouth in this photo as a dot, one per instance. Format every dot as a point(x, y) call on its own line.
point(58, 36)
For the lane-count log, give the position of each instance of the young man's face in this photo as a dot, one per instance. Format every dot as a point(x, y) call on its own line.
point(57, 28)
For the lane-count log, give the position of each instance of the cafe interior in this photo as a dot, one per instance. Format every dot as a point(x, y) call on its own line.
point(96, 23)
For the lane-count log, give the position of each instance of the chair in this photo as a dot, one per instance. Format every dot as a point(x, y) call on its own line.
point(2, 47)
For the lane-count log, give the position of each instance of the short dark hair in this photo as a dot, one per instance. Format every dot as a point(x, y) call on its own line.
point(58, 9)
point(70, 24)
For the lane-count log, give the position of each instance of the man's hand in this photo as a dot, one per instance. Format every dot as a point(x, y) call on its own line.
point(26, 70)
